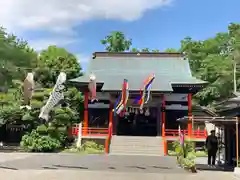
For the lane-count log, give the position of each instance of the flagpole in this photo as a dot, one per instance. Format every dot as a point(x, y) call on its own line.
point(237, 154)
point(234, 77)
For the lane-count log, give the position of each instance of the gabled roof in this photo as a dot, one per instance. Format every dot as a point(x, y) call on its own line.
point(198, 110)
point(230, 105)
point(112, 68)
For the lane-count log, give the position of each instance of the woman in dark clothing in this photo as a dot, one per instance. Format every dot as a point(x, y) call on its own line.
point(212, 147)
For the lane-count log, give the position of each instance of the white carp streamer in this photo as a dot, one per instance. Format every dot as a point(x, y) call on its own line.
point(55, 97)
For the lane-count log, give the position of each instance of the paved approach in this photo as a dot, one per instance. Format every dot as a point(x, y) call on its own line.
point(88, 167)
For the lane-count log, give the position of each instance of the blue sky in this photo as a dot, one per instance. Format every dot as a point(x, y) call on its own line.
point(155, 24)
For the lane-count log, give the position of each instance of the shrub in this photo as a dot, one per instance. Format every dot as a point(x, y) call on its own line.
point(59, 133)
point(185, 155)
point(34, 142)
point(89, 147)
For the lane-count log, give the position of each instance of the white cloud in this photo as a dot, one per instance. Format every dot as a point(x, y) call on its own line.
point(62, 15)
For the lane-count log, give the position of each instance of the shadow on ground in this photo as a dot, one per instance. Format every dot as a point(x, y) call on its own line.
point(70, 167)
point(204, 167)
point(121, 163)
point(9, 168)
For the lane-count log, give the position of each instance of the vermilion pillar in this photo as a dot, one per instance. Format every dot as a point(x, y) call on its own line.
point(85, 121)
point(163, 115)
point(110, 110)
point(189, 114)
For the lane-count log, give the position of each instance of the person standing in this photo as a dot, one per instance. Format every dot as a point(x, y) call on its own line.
point(212, 148)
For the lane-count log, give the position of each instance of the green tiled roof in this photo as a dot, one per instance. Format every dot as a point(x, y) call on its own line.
point(112, 70)
point(135, 82)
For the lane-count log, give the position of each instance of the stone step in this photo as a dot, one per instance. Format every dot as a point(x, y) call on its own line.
point(137, 145)
point(126, 141)
point(10, 149)
point(152, 139)
point(158, 143)
point(137, 153)
point(136, 142)
point(135, 149)
point(136, 139)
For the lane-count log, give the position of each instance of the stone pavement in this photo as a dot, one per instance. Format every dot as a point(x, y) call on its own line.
point(18, 166)
point(106, 175)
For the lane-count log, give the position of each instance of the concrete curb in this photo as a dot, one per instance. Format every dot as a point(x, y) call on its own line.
point(236, 173)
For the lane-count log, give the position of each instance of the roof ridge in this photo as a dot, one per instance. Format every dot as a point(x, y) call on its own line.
point(137, 54)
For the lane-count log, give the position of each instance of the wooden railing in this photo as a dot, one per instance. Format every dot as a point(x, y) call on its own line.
point(195, 133)
point(90, 131)
point(105, 132)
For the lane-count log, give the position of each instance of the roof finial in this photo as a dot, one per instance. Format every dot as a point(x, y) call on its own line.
point(92, 76)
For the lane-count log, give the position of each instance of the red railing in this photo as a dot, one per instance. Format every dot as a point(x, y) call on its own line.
point(90, 131)
point(195, 133)
point(108, 139)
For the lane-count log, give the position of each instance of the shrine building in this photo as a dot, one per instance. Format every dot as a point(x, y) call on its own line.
point(171, 94)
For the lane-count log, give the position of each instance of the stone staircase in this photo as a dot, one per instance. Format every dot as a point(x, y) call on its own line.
point(137, 145)
point(12, 147)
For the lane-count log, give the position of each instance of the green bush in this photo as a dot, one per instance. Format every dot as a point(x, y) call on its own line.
point(34, 142)
point(59, 133)
point(89, 147)
point(185, 154)
point(42, 129)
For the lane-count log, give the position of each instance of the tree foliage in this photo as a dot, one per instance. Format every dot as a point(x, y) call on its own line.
point(116, 42)
point(212, 60)
point(16, 59)
point(52, 61)
point(14, 55)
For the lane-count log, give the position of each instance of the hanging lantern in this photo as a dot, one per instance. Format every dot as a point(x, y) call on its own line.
point(136, 111)
point(147, 112)
point(130, 110)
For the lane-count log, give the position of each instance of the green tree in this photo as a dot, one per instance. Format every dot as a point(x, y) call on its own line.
point(212, 61)
point(116, 42)
point(145, 50)
point(52, 61)
point(16, 57)
point(135, 50)
point(171, 50)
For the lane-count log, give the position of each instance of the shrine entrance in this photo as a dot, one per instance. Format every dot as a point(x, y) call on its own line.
point(137, 122)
